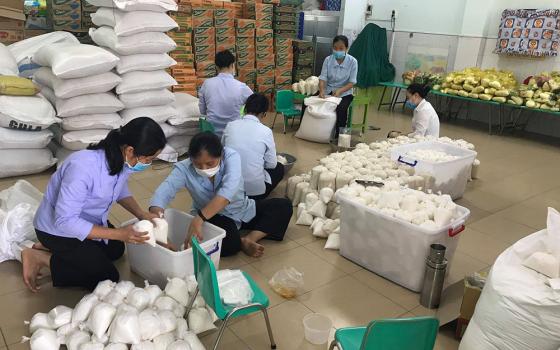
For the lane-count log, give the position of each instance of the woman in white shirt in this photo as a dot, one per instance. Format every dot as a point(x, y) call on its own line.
point(425, 121)
point(255, 144)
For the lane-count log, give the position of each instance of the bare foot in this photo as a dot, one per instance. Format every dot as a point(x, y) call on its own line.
point(33, 261)
point(251, 248)
point(40, 246)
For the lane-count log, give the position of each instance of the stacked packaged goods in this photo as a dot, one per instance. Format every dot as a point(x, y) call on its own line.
point(284, 63)
point(24, 119)
point(78, 81)
point(135, 31)
point(66, 15)
point(286, 21)
point(264, 44)
point(304, 54)
point(246, 52)
point(204, 42)
point(184, 72)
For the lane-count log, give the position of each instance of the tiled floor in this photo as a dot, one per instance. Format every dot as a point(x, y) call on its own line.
point(518, 180)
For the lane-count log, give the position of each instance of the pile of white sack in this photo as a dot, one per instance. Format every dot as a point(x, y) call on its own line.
point(18, 205)
point(78, 81)
point(116, 315)
point(309, 86)
point(24, 122)
point(134, 30)
point(314, 193)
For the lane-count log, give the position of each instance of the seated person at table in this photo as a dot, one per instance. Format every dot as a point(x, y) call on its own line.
point(212, 175)
point(255, 144)
point(425, 121)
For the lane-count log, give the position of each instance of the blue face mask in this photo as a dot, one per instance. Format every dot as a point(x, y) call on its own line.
point(138, 167)
point(410, 105)
point(339, 54)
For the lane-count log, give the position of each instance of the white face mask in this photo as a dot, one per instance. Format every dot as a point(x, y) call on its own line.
point(207, 172)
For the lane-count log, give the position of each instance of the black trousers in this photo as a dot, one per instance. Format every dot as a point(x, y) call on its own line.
point(276, 175)
point(341, 112)
point(76, 263)
point(272, 217)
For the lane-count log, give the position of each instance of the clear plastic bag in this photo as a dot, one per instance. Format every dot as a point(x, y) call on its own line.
point(287, 282)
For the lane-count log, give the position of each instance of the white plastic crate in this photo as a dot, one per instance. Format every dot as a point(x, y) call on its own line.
point(448, 177)
point(157, 263)
point(391, 247)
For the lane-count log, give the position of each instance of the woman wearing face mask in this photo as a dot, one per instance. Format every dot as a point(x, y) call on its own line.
point(213, 177)
point(425, 121)
point(338, 77)
point(77, 242)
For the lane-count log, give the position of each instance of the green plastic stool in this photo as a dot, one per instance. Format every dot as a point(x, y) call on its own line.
point(205, 274)
point(284, 104)
point(359, 101)
point(205, 125)
point(416, 333)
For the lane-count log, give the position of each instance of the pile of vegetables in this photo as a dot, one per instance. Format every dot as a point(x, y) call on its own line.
point(418, 77)
point(541, 91)
point(487, 85)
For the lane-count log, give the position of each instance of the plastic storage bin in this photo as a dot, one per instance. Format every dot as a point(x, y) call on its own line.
point(157, 263)
point(448, 177)
point(391, 247)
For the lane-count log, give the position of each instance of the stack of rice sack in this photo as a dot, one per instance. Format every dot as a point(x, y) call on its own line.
point(135, 31)
point(314, 193)
point(77, 79)
point(25, 117)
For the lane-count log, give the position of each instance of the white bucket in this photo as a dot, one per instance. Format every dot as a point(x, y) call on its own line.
point(317, 328)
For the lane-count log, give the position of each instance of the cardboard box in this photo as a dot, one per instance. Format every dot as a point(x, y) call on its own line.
point(225, 32)
point(66, 15)
point(260, 8)
point(183, 58)
point(293, 9)
point(265, 80)
point(65, 5)
point(284, 62)
point(183, 49)
point(224, 22)
point(264, 35)
point(202, 17)
point(265, 89)
point(245, 64)
point(206, 55)
point(265, 49)
point(244, 23)
point(204, 31)
point(245, 32)
point(282, 80)
point(68, 25)
point(223, 47)
point(263, 24)
point(184, 89)
point(10, 23)
point(30, 33)
point(182, 70)
point(224, 13)
point(247, 74)
point(290, 34)
point(10, 36)
point(225, 40)
point(13, 5)
point(285, 27)
point(283, 73)
point(266, 71)
point(184, 41)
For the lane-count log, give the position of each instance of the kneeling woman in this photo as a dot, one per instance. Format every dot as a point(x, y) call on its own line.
point(78, 243)
point(213, 177)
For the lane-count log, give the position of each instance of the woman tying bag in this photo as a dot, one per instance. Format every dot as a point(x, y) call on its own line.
point(255, 144)
point(425, 121)
point(77, 242)
point(212, 175)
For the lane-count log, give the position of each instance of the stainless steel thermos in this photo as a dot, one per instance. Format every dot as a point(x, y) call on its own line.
point(436, 266)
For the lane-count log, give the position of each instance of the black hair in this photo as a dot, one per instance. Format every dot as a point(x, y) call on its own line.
point(420, 89)
point(256, 104)
point(206, 141)
point(143, 134)
point(224, 59)
point(342, 38)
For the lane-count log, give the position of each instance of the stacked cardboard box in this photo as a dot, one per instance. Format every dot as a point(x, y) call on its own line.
point(264, 45)
point(87, 11)
point(204, 42)
point(304, 54)
point(263, 14)
point(246, 52)
point(286, 22)
point(184, 72)
point(66, 15)
point(12, 21)
point(284, 57)
point(224, 21)
point(236, 7)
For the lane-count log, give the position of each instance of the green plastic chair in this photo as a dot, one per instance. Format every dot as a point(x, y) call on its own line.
point(417, 333)
point(359, 101)
point(284, 104)
point(205, 274)
point(205, 125)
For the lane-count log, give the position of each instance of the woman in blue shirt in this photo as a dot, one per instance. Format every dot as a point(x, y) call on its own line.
point(213, 177)
point(78, 243)
point(338, 76)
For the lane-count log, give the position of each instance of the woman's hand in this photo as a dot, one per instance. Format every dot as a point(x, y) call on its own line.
point(157, 211)
point(150, 216)
point(336, 93)
point(195, 229)
point(128, 235)
point(322, 94)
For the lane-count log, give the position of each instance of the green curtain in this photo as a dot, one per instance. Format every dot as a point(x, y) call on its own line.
point(370, 49)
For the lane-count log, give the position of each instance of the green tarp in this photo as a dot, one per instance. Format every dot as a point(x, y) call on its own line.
point(370, 49)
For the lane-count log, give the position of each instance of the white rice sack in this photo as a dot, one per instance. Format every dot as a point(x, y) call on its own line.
point(138, 298)
point(177, 289)
point(44, 339)
point(60, 315)
point(162, 341)
point(113, 346)
point(161, 230)
point(149, 324)
point(129, 23)
point(299, 192)
point(19, 162)
point(137, 44)
point(168, 321)
point(305, 219)
point(318, 229)
point(193, 341)
point(144, 81)
point(100, 318)
point(8, 64)
point(75, 60)
point(101, 3)
point(101, 103)
point(145, 345)
point(333, 242)
point(146, 5)
point(327, 179)
point(200, 321)
point(179, 345)
point(160, 114)
point(31, 113)
point(165, 303)
point(67, 88)
point(182, 328)
point(63, 332)
point(92, 346)
point(153, 290)
point(16, 139)
point(103, 340)
point(126, 328)
point(291, 187)
point(315, 174)
point(180, 144)
point(144, 62)
point(103, 288)
point(80, 140)
point(147, 98)
point(39, 320)
point(318, 209)
point(326, 194)
point(107, 121)
point(148, 227)
point(75, 339)
point(114, 298)
point(187, 108)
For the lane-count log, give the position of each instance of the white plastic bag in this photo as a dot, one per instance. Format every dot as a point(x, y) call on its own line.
point(145, 345)
point(91, 346)
point(319, 119)
point(139, 81)
point(8, 64)
point(166, 303)
point(287, 282)
point(138, 298)
point(38, 321)
point(179, 345)
point(137, 44)
point(146, 5)
point(333, 242)
point(161, 230)
point(79, 139)
point(168, 321)
point(193, 341)
point(113, 346)
point(129, 23)
point(162, 341)
point(182, 328)
point(124, 287)
point(148, 227)
point(177, 289)
point(103, 288)
point(75, 60)
point(60, 315)
point(153, 290)
point(107, 121)
point(100, 318)
point(100, 103)
point(44, 339)
point(160, 97)
point(67, 88)
point(31, 113)
point(149, 324)
point(63, 332)
point(126, 328)
point(75, 339)
point(200, 320)
point(234, 287)
point(17, 139)
point(144, 62)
